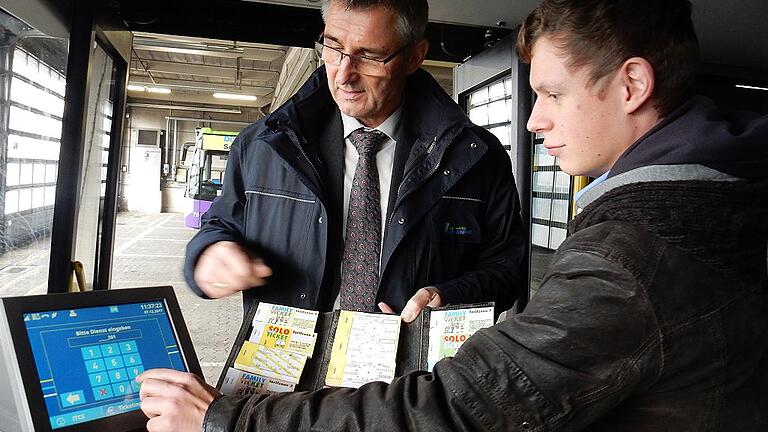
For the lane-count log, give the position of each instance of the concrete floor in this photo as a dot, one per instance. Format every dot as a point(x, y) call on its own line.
point(149, 251)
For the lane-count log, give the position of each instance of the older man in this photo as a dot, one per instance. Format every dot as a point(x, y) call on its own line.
point(654, 313)
point(368, 188)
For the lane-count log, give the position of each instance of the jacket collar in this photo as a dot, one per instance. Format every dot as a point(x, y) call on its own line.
point(720, 220)
point(429, 113)
point(431, 119)
point(650, 174)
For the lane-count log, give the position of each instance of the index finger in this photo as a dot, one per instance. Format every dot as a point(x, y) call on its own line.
point(169, 375)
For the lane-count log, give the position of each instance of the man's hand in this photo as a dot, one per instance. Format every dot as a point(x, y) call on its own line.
point(427, 296)
point(174, 401)
point(225, 268)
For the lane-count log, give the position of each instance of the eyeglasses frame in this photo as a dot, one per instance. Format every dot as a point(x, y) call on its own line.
point(319, 45)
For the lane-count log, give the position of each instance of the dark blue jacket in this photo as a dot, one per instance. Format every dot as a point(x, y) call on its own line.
point(453, 217)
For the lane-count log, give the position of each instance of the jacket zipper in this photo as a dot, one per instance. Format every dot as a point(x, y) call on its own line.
point(298, 141)
point(416, 164)
point(405, 176)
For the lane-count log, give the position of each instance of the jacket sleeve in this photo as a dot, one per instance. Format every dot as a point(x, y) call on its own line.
point(498, 272)
point(224, 220)
point(586, 342)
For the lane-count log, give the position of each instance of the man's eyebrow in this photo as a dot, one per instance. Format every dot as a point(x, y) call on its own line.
point(331, 38)
point(357, 50)
point(547, 86)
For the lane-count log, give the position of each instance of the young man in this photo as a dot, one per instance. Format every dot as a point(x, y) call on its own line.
point(309, 218)
point(654, 313)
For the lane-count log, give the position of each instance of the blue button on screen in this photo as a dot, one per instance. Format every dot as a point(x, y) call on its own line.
point(109, 350)
point(71, 399)
point(114, 362)
point(91, 352)
point(128, 347)
point(98, 379)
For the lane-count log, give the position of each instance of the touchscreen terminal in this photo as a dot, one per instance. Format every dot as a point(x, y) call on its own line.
point(87, 354)
point(87, 358)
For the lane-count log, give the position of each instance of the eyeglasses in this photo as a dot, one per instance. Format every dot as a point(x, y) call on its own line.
point(362, 64)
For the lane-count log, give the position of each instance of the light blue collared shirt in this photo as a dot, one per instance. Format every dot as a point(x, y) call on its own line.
point(594, 183)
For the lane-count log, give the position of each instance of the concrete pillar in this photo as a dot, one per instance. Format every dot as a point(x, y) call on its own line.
point(7, 46)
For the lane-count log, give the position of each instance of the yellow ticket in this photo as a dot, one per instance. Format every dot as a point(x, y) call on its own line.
point(284, 338)
point(270, 363)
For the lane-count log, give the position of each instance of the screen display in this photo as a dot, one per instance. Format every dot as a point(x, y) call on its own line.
point(87, 359)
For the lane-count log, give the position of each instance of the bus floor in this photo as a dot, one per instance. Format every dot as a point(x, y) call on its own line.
point(149, 251)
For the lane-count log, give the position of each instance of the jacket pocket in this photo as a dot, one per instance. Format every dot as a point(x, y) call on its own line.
point(282, 195)
point(279, 221)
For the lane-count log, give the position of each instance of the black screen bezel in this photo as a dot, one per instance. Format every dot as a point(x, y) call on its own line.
point(16, 307)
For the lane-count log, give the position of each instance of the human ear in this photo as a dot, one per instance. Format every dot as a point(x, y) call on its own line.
point(417, 54)
point(638, 80)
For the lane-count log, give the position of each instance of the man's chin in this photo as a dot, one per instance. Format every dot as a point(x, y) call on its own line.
point(352, 110)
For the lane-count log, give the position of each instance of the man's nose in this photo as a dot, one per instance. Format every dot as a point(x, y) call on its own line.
point(346, 70)
point(538, 122)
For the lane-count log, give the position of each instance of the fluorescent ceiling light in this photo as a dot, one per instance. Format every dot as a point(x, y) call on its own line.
point(158, 90)
point(751, 87)
point(185, 108)
point(141, 88)
point(234, 96)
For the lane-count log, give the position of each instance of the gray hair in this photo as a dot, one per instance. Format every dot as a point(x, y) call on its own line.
point(412, 14)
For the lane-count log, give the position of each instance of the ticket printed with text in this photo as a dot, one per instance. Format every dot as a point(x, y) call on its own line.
point(284, 338)
point(448, 329)
point(241, 383)
point(270, 363)
point(284, 316)
point(364, 349)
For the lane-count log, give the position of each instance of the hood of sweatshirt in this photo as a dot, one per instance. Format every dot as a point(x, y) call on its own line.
point(699, 133)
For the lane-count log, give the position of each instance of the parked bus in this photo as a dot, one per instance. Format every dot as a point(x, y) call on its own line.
point(205, 175)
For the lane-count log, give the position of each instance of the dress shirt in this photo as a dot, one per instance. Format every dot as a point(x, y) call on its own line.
point(385, 159)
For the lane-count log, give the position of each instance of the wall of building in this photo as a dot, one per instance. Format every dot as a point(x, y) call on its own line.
point(149, 180)
point(492, 64)
point(485, 66)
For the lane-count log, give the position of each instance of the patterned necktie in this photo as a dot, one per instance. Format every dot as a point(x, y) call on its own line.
point(360, 262)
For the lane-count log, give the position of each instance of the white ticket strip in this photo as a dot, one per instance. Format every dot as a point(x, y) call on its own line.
point(241, 383)
point(448, 329)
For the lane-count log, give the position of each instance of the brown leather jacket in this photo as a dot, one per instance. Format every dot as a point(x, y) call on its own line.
point(642, 324)
point(653, 315)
